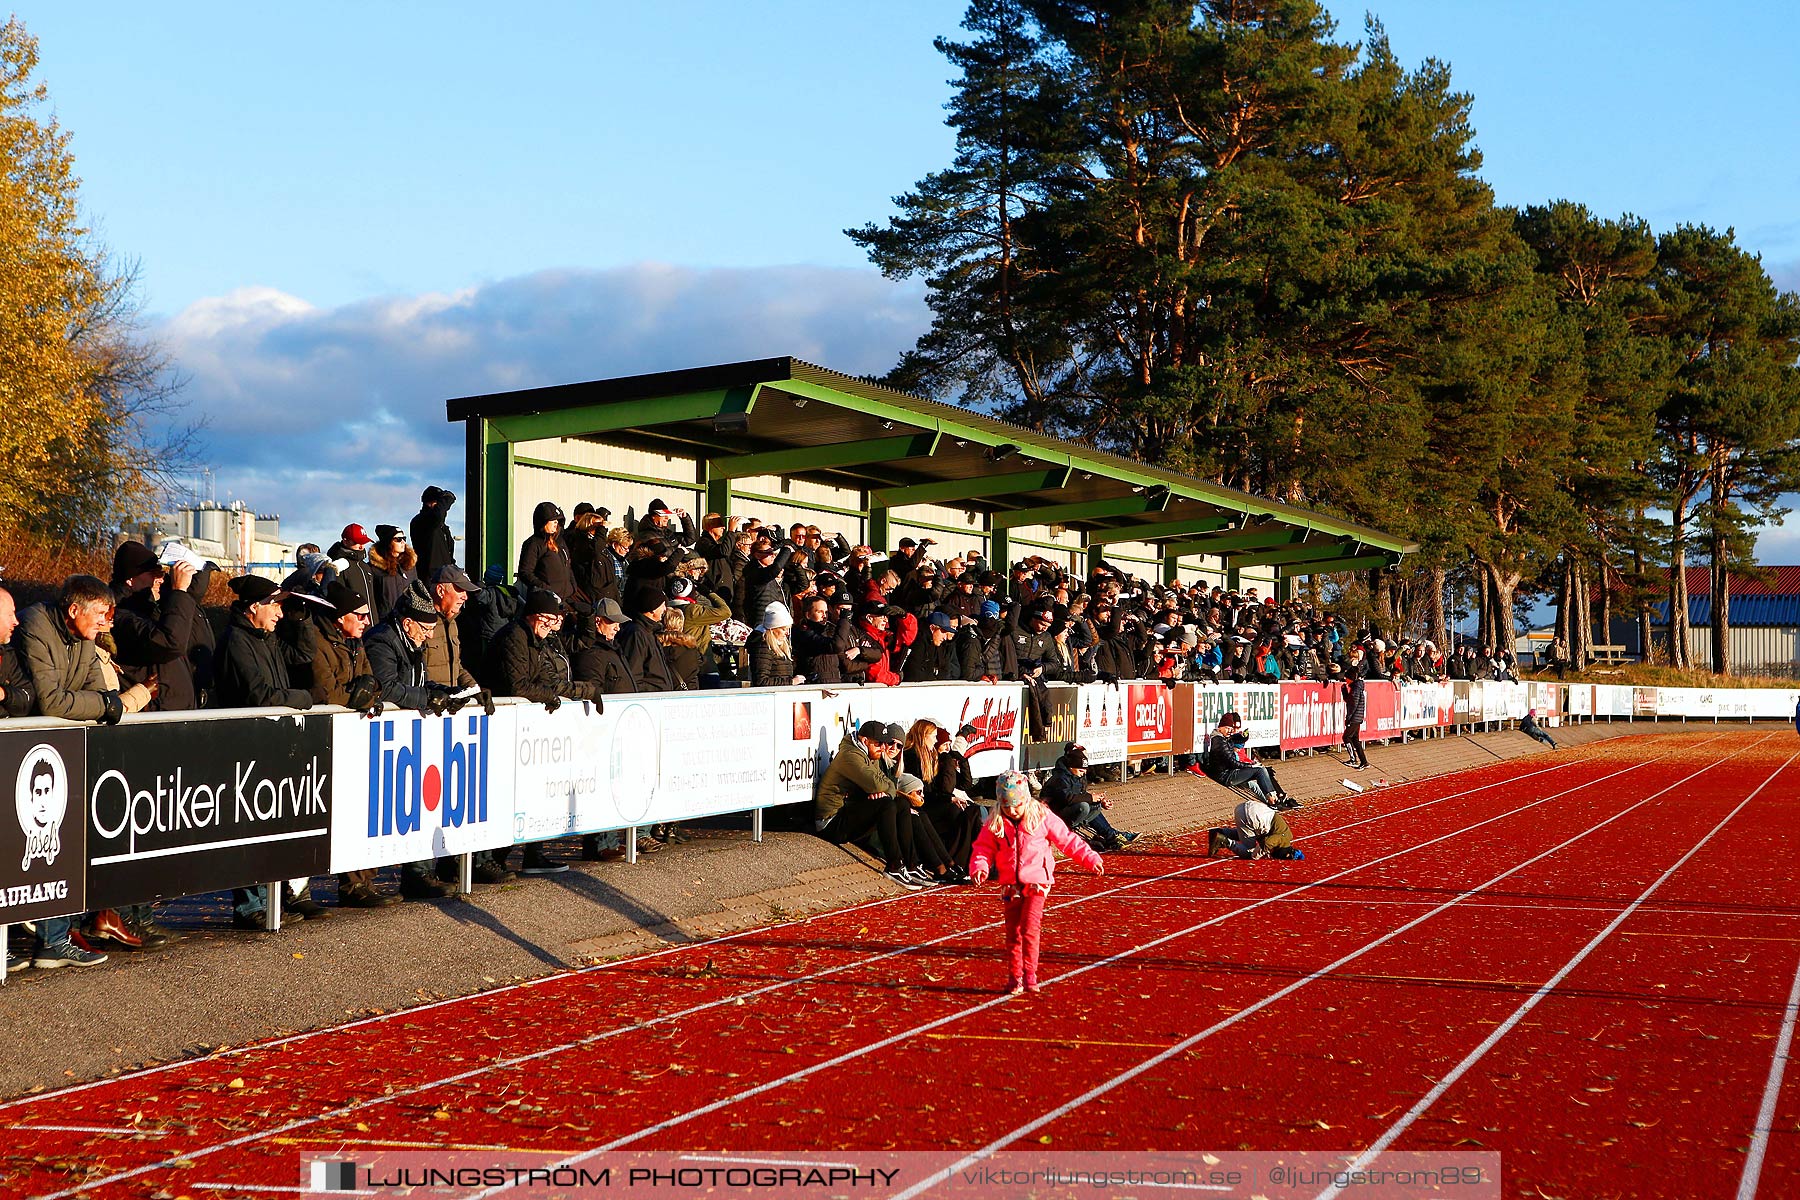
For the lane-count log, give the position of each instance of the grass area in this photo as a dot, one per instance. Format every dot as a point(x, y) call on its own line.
point(1647, 675)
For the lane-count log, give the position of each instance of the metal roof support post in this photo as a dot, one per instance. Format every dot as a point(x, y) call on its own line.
point(877, 536)
point(474, 511)
point(497, 542)
point(1000, 553)
point(1096, 553)
point(1171, 564)
point(1284, 584)
point(1231, 579)
point(717, 489)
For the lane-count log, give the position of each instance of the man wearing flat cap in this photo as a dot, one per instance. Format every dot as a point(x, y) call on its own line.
point(253, 664)
point(253, 672)
point(451, 588)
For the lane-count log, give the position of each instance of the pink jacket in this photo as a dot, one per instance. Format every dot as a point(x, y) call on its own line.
point(1019, 856)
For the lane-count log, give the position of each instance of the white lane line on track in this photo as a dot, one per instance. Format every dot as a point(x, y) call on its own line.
point(1647, 910)
point(701, 945)
point(91, 1129)
point(927, 1027)
point(1241, 1014)
point(1393, 1132)
point(401, 1094)
point(1765, 1114)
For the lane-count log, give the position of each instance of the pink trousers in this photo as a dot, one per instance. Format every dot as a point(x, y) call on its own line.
point(1024, 921)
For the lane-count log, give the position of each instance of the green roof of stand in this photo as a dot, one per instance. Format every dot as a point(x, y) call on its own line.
point(782, 416)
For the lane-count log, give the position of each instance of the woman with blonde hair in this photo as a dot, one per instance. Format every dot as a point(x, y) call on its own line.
point(772, 650)
point(1017, 846)
point(682, 651)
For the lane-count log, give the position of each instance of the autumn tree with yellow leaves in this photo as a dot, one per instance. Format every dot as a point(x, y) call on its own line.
point(87, 403)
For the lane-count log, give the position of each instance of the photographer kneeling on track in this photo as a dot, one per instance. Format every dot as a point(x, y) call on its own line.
point(1260, 832)
point(1228, 761)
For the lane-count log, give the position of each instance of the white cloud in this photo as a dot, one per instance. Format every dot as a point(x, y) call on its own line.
point(335, 415)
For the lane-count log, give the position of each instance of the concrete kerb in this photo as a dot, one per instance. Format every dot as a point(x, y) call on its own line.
point(241, 987)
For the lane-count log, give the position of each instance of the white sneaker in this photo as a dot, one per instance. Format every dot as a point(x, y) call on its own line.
point(904, 878)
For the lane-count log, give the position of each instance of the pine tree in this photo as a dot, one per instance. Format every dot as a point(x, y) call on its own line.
point(1728, 428)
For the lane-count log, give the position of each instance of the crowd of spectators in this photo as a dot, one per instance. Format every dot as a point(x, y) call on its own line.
point(665, 603)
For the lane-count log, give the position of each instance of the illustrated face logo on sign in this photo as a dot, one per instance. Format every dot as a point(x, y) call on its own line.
point(42, 796)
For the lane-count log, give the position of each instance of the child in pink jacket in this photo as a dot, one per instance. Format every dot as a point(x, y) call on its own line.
point(1015, 844)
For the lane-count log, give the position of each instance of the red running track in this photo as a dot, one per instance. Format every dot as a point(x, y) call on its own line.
point(1584, 963)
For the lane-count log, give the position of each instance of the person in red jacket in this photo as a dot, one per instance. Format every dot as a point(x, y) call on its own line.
point(1015, 846)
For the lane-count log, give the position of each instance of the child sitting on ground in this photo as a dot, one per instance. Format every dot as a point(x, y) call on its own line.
point(1016, 847)
point(1530, 728)
point(1260, 832)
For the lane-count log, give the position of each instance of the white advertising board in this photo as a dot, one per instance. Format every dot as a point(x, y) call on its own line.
point(1259, 704)
point(412, 787)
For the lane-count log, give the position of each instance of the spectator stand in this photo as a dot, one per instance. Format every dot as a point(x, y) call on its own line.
point(783, 440)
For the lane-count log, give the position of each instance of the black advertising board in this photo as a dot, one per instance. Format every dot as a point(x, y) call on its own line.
point(196, 806)
point(41, 840)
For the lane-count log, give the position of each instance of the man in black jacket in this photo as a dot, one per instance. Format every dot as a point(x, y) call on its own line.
point(528, 662)
point(640, 642)
point(934, 658)
point(815, 649)
point(599, 661)
point(253, 662)
point(431, 537)
point(158, 624)
point(254, 673)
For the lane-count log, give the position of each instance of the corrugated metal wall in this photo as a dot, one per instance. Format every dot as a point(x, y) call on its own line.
point(1752, 646)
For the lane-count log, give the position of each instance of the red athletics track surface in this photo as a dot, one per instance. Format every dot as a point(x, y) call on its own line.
point(1583, 961)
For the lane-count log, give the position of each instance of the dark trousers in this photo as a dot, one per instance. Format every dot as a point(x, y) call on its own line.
point(957, 828)
point(1260, 776)
point(1541, 736)
point(879, 815)
point(1353, 743)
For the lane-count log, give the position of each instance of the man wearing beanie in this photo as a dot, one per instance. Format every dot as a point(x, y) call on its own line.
point(396, 650)
point(396, 657)
point(640, 641)
point(528, 662)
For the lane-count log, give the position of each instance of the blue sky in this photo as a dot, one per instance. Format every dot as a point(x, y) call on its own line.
point(345, 213)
